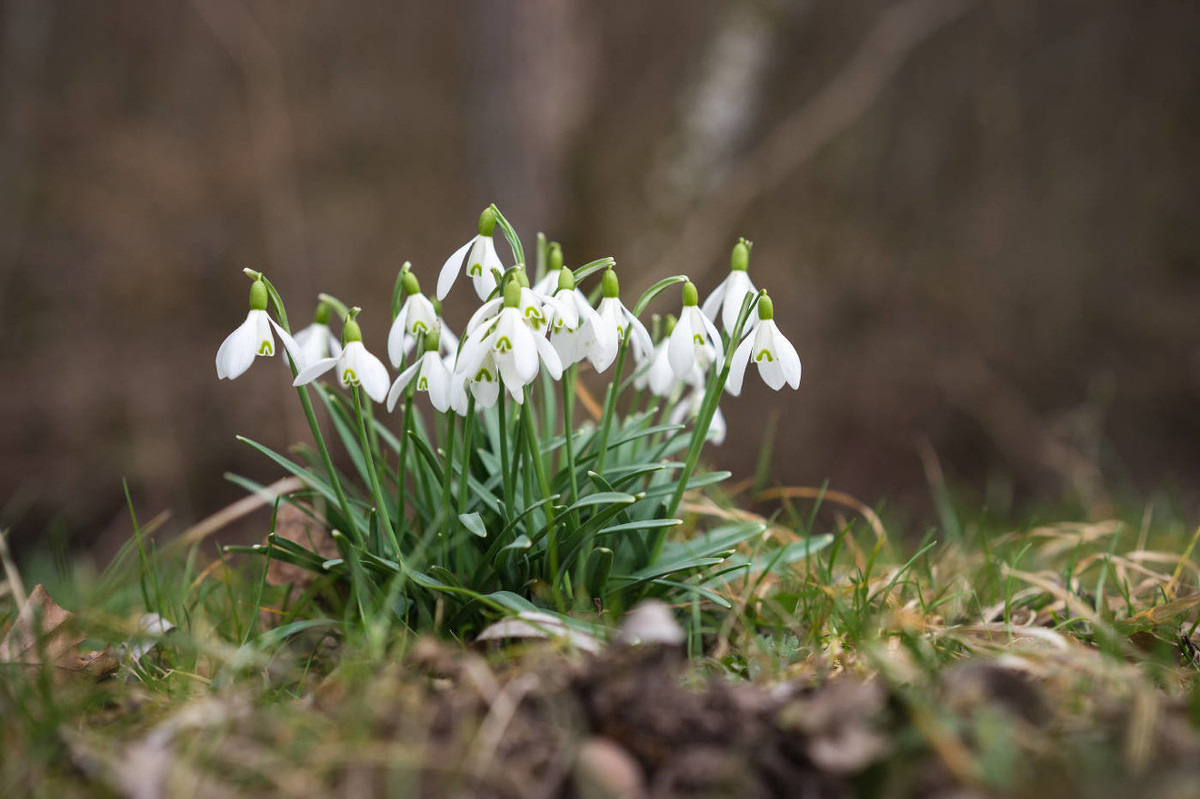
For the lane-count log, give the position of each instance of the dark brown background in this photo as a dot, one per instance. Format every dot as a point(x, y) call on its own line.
point(978, 221)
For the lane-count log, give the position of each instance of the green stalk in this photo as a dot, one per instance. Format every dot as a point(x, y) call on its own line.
point(402, 466)
point(610, 406)
point(506, 465)
point(468, 443)
point(311, 417)
point(568, 397)
point(539, 469)
point(448, 471)
point(376, 490)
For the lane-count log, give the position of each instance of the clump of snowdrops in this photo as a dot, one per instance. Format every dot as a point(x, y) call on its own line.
point(476, 487)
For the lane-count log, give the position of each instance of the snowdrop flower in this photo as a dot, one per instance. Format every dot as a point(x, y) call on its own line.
point(355, 366)
point(658, 376)
point(458, 387)
point(575, 328)
point(727, 298)
point(690, 408)
point(548, 285)
point(512, 343)
point(317, 341)
point(616, 319)
point(774, 355)
point(481, 260)
point(417, 316)
point(529, 304)
point(253, 337)
point(694, 341)
point(430, 374)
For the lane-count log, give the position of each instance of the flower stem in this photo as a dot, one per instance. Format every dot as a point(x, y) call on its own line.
point(568, 398)
point(610, 406)
point(402, 466)
point(468, 443)
point(539, 469)
point(376, 490)
point(506, 466)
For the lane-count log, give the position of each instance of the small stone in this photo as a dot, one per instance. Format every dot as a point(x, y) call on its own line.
point(605, 770)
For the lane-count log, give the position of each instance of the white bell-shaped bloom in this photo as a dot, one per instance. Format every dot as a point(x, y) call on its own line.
point(657, 374)
point(431, 376)
point(774, 355)
point(355, 366)
point(481, 260)
point(694, 341)
point(689, 408)
point(618, 323)
point(253, 338)
point(417, 316)
point(727, 298)
point(316, 342)
point(457, 386)
point(514, 345)
point(576, 331)
point(548, 285)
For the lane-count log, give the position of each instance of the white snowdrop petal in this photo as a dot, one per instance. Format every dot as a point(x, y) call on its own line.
point(237, 351)
point(397, 335)
point(681, 348)
point(714, 336)
point(485, 312)
point(524, 353)
point(314, 370)
point(290, 346)
point(400, 384)
point(739, 285)
point(789, 361)
point(716, 429)
point(373, 376)
point(714, 302)
point(549, 357)
point(450, 270)
point(643, 345)
point(737, 366)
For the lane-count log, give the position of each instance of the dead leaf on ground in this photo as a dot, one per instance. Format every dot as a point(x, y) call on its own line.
point(45, 633)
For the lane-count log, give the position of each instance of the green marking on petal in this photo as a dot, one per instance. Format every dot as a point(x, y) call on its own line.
point(698, 339)
point(349, 378)
point(419, 327)
point(475, 270)
point(503, 344)
point(422, 383)
point(267, 347)
point(484, 376)
point(764, 354)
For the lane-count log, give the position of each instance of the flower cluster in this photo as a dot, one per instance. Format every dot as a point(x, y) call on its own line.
point(520, 329)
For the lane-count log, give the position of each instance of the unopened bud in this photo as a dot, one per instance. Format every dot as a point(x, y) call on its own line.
point(487, 221)
point(740, 260)
point(609, 284)
point(258, 295)
point(690, 295)
point(766, 309)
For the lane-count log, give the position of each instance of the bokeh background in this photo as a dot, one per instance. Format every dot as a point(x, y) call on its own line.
point(978, 219)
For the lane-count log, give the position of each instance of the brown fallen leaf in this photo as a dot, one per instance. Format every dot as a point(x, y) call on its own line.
point(45, 633)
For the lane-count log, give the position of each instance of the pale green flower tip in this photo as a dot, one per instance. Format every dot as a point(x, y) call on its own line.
point(432, 340)
point(610, 286)
point(258, 295)
point(766, 309)
point(690, 295)
point(410, 284)
point(555, 261)
point(321, 315)
point(740, 260)
point(669, 325)
point(512, 294)
point(350, 330)
point(566, 280)
point(487, 222)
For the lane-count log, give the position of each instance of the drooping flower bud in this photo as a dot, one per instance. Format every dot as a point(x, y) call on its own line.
point(766, 309)
point(512, 294)
point(740, 259)
point(690, 295)
point(609, 285)
point(258, 295)
point(321, 315)
point(555, 261)
point(487, 221)
point(350, 329)
point(410, 284)
point(566, 280)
